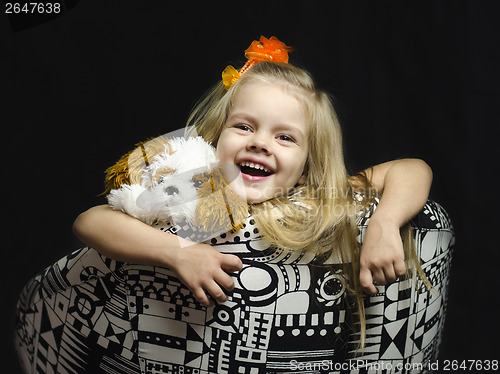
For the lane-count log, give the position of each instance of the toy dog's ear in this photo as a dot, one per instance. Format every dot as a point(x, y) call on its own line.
point(219, 208)
point(128, 169)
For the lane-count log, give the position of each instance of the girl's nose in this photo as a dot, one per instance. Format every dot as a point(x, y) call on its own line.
point(258, 144)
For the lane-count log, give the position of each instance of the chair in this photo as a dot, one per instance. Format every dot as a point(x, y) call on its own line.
point(87, 313)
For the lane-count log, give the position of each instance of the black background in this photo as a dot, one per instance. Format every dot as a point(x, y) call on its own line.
point(411, 79)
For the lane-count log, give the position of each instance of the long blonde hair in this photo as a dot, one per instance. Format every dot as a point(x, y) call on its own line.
point(319, 215)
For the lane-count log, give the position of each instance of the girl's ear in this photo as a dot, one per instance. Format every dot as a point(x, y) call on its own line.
point(302, 179)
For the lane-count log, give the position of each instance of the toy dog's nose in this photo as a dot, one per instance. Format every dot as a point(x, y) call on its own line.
point(170, 190)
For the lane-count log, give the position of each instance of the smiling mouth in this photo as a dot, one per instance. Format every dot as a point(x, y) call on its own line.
point(254, 169)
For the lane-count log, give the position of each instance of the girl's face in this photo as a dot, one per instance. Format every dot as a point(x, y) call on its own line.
point(266, 137)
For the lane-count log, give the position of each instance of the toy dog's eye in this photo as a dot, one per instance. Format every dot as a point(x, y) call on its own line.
point(170, 190)
point(197, 183)
point(160, 180)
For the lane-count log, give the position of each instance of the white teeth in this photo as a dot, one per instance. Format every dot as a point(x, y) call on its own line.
point(254, 166)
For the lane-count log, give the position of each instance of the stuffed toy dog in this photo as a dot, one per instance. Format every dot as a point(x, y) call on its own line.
point(174, 180)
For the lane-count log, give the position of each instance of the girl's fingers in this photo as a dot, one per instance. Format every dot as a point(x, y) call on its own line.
point(231, 263)
point(225, 280)
point(366, 281)
point(216, 292)
point(400, 268)
point(379, 276)
point(202, 297)
point(389, 274)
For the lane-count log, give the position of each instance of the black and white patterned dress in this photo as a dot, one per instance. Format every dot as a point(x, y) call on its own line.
point(287, 313)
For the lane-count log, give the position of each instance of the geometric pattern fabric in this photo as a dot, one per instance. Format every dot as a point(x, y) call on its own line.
point(288, 313)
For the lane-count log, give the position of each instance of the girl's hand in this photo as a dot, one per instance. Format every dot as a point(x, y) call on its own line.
point(202, 268)
point(404, 185)
point(121, 237)
point(382, 257)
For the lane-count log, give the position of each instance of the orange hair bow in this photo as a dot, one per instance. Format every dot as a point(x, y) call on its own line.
point(271, 49)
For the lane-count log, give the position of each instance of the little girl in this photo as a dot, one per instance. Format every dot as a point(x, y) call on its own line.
point(299, 264)
point(273, 116)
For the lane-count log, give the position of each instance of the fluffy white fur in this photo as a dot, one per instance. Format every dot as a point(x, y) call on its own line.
point(164, 197)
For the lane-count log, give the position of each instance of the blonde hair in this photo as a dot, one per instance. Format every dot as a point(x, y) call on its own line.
point(319, 215)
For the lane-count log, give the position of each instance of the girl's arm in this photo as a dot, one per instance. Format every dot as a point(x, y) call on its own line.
point(121, 237)
point(404, 186)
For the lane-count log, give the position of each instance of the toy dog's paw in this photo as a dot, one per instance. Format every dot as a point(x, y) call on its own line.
point(133, 200)
point(125, 198)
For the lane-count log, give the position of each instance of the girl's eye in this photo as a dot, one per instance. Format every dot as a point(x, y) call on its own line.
point(242, 127)
point(286, 138)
